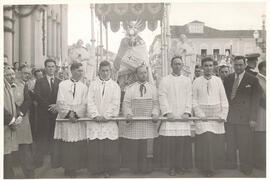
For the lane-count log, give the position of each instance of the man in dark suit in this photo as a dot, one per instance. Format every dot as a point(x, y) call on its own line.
point(242, 92)
point(252, 60)
point(46, 90)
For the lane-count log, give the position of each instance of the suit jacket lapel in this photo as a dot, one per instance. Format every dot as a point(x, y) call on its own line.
point(48, 88)
point(243, 82)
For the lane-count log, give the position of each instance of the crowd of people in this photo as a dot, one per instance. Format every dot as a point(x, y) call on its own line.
point(79, 125)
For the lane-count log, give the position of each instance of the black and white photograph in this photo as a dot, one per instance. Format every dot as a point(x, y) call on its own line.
point(134, 89)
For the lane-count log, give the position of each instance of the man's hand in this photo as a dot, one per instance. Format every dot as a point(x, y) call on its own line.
point(98, 118)
point(170, 116)
point(18, 120)
point(220, 119)
point(72, 117)
point(185, 116)
point(252, 124)
point(53, 108)
point(154, 118)
point(13, 127)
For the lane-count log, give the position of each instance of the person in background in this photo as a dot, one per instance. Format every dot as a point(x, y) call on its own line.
point(24, 134)
point(209, 100)
point(103, 103)
point(242, 90)
point(10, 123)
point(216, 69)
point(70, 137)
point(223, 71)
point(198, 71)
point(46, 90)
point(259, 136)
point(141, 100)
point(252, 61)
point(16, 66)
point(175, 98)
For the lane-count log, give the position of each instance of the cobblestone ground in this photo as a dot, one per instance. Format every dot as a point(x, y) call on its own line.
point(47, 172)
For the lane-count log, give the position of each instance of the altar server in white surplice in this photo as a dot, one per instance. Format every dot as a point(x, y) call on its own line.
point(70, 137)
point(140, 100)
point(175, 99)
point(209, 100)
point(103, 103)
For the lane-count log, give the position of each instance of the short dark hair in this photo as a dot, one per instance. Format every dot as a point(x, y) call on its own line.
point(22, 67)
point(75, 65)
point(49, 60)
point(5, 56)
point(207, 59)
point(197, 67)
point(236, 58)
point(223, 66)
point(104, 63)
point(261, 65)
point(36, 71)
point(15, 63)
point(176, 57)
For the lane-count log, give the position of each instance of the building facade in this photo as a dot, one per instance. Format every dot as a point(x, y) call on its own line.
point(33, 33)
point(195, 38)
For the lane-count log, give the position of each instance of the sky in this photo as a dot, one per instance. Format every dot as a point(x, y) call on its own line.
point(219, 15)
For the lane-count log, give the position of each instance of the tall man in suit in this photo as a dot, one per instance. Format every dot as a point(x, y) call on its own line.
point(46, 90)
point(242, 92)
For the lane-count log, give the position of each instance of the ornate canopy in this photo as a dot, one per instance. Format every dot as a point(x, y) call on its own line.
point(123, 12)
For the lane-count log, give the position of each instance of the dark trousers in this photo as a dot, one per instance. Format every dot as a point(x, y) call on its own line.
point(103, 156)
point(69, 155)
point(259, 149)
point(176, 152)
point(209, 151)
point(134, 155)
point(42, 148)
point(239, 137)
point(26, 160)
point(8, 167)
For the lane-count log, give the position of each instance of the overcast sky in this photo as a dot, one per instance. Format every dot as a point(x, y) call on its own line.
point(222, 15)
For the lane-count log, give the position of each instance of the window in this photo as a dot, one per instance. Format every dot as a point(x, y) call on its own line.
point(229, 51)
point(216, 52)
point(203, 52)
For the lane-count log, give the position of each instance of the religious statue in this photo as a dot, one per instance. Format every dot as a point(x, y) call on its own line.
point(131, 54)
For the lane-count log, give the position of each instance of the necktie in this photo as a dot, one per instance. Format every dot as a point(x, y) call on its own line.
point(235, 86)
point(103, 91)
point(142, 88)
point(74, 87)
point(52, 84)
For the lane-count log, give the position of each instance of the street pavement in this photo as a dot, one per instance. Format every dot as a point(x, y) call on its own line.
point(47, 172)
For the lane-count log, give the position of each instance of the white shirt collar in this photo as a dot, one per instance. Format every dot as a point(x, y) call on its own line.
point(49, 77)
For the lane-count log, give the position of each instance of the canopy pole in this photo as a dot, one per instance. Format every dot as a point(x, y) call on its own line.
point(93, 40)
point(107, 39)
point(101, 40)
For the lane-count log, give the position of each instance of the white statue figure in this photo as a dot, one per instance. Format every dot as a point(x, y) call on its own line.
point(131, 54)
point(185, 48)
point(86, 56)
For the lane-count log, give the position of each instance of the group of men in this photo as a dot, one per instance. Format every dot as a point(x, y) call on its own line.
point(103, 140)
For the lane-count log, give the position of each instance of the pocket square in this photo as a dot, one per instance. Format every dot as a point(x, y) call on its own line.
point(247, 86)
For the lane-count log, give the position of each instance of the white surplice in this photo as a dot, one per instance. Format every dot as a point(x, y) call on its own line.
point(210, 100)
point(68, 131)
point(175, 96)
point(103, 100)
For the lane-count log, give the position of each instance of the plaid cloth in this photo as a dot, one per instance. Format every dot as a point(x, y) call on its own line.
point(209, 126)
point(142, 129)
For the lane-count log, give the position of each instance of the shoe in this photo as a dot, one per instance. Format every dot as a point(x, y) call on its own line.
point(180, 171)
point(107, 175)
point(171, 172)
point(247, 172)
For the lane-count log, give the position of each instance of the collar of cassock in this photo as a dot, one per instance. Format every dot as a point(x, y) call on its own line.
point(73, 80)
point(207, 78)
point(176, 75)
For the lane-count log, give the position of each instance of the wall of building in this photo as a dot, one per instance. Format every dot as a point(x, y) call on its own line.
point(240, 46)
point(34, 33)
